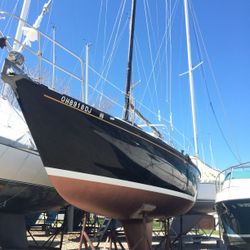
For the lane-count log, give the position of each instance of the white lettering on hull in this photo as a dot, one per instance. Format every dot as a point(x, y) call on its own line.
point(75, 104)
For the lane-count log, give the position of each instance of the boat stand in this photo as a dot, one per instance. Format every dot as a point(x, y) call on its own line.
point(108, 231)
point(113, 239)
point(165, 243)
point(48, 244)
point(84, 236)
point(53, 232)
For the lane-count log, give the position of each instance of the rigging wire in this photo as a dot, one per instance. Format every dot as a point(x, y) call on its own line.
point(139, 58)
point(114, 49)
point(105, 32)
point(115, 34)
point(98, 29)
point(48, 22)
point(115, 41)
point(106, 68)
point(117, 23)
point(148, 21)
point(196, 28)
point(9, 23)
point(158, 52)
point(157, 20)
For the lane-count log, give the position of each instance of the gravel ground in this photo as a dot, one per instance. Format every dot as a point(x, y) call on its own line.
point(70, 242)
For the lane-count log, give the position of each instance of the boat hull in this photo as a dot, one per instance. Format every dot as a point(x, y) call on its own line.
point(24, 184)
point(233, 206)
point(76, 140)
point(235, 217)
point(205, 202)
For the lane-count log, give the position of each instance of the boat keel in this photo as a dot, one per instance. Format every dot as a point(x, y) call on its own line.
point(138, 233)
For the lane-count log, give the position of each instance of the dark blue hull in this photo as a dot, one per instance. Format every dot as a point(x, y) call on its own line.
point(92, 158)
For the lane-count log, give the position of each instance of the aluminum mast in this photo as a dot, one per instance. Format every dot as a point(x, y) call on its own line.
point(190, 74)
point(19, 31)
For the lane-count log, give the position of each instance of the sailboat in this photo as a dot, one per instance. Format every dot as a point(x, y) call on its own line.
point(101, 163)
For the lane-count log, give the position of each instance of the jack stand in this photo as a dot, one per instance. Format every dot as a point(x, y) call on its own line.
point(84, 236)
point(48, 243)
point(113, 239)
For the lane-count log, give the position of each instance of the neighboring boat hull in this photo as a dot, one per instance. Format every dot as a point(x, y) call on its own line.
point(25, 198)
point(24, 184)
point(233, 206)
point(235, 217)
point(205, 202)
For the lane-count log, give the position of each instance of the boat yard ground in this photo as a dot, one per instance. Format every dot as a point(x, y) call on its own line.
point(71, 241)
point(106, 234)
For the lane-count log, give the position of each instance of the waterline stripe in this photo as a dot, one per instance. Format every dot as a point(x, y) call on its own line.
point(117, 182)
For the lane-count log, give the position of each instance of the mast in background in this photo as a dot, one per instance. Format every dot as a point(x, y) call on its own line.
point(18, 37)
point(130, 57)
point(19, 31)
point(190, 74)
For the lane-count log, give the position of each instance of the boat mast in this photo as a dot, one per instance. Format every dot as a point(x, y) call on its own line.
point(191, 80)
point(19, 31)
point(130, 57)
point(32, 33)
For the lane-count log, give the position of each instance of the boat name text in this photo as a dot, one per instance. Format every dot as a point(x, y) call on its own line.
point(75, 104)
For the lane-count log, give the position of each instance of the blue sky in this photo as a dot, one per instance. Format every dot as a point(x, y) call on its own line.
point(222, 26)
